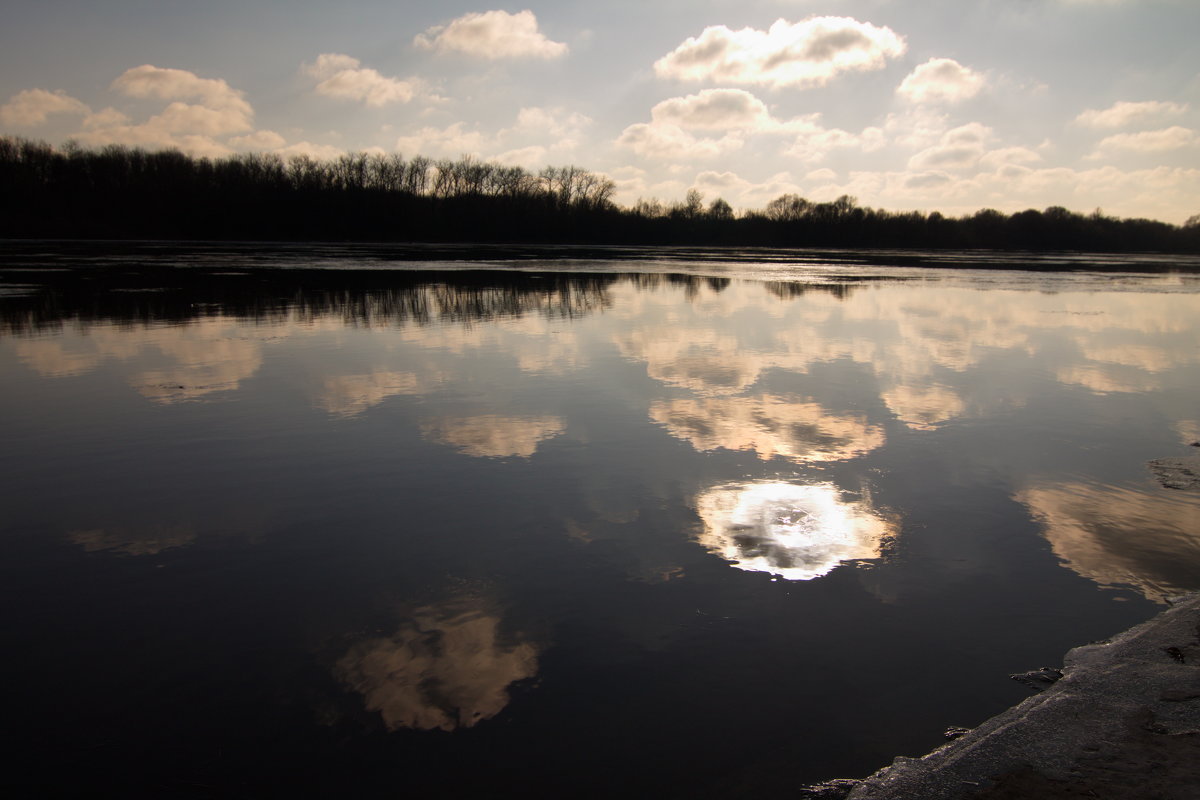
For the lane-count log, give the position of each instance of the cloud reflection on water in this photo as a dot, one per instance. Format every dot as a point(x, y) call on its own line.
point(494, 435)
point(769, 426)
point(1120, 535)
point(796, 531)
point(147, 541)
point(445, 668)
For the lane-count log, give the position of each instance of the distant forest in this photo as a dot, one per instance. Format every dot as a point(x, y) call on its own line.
point(128, 193)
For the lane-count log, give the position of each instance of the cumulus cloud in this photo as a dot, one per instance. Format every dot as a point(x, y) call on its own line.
point(1007, 156)
point(815, 144)
point(536, 133)
point(667, 141)
point(941, 80)
point(178, 84)
point(200, 112)
point(200, 120)
point(33, 106)
point(959, 148)
point(259, 140)
point(492, 35)
point(803, 54)
point(1126, 114)
point(453, 140)
point(563, 126)
point(1173, 138)
point(311, 150)
point(344, 77)
point(920, 126)
point(713, 109)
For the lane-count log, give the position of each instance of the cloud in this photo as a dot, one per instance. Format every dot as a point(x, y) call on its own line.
point(259, 140)
point(813, 146)
point(179, 84)
point(960, 148)
point(453, 140)
point(1006, 156)
point(537, 133)
point(33, 106)
point(216, 110)
point(920, 126)
point(1126, 114)
point(317, 151)
point(941, 80)
point(666, 141)
point(563, 127)
point(1173, 138)
point(803, 54)
point(492, 35)
point(344, 77)
point(200, 120)
point(713, 109)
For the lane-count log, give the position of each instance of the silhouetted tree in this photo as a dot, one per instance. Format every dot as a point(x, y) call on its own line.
point(121, 192)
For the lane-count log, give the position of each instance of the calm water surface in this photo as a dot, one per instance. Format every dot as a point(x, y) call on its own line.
point(288, 520)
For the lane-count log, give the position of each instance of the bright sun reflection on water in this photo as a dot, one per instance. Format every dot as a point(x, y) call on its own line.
point(798, 532)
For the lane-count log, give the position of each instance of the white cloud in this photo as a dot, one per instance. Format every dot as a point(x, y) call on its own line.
point(344, 77)
point(529, 157)
point(34, 106)
point(320, 152)
point(960, 148)
point(666, 141)
point(201, 120)
point(259, 140)
point(105, 118)
point(814, 145)
point(919, 127)
point(536, 134)
point(803, 54)
point(1006, 156)
point(941, 80)
point(713, 109)
point(192, 127)
point(565, 128)
point(452, 141)
point(326, 65)
point(179, 84)
point(492, 35)
point(1126, 114)
point(1173, 138)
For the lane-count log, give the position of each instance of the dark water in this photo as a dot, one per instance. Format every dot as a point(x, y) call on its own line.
point(317, 520)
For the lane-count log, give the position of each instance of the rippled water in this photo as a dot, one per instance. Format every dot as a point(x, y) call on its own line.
point(318, 519)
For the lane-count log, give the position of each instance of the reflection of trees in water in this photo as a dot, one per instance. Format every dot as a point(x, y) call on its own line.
point(446, 667)
point(48, 300)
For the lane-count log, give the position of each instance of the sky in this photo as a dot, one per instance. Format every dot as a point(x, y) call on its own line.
point(949, 105)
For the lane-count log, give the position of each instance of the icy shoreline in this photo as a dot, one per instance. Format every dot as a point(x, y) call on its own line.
point(1122, 722)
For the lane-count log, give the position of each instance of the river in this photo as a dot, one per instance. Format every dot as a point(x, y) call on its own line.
point(559, 522)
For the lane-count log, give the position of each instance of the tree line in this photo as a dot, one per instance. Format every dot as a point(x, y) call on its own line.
point(122, 192)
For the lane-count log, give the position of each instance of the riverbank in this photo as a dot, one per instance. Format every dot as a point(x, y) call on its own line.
point(1123, 721)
